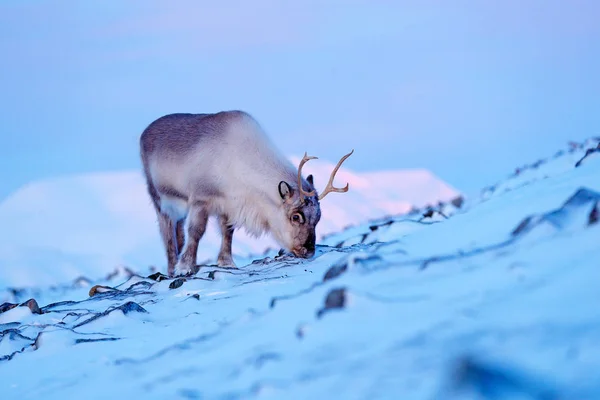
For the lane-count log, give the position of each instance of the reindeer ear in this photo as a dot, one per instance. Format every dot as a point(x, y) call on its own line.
point(310, 180)
point(285, 190)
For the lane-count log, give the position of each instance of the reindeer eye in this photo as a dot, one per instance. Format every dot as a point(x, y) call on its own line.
point(298, 217)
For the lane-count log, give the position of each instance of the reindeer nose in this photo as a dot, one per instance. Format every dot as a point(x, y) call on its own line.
point(309, 246)
point(303, 252)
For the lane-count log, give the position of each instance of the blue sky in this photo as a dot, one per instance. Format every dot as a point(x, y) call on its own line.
point(469, 90)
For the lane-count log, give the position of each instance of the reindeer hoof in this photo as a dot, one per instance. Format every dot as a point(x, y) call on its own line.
point(182, 269)
point(226, 263)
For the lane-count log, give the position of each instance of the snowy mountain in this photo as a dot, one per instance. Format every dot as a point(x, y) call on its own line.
point(494, 298)
point(90, 224)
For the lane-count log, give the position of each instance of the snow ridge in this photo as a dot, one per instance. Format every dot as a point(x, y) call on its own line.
point(490, 297)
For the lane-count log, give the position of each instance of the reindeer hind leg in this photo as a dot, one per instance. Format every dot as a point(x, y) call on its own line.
point(166, 227)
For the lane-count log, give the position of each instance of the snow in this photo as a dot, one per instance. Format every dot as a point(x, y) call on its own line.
point(495, 299)
point(90, 224)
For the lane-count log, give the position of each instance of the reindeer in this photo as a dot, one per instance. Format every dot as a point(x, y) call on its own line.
point(222, 164)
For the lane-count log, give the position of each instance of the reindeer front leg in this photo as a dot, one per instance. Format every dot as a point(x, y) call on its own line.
point(197, 221)
point(179, 232)
point(225, 258)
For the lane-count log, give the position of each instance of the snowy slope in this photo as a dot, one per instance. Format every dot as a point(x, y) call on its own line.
point(90, 224)
point(497, 299)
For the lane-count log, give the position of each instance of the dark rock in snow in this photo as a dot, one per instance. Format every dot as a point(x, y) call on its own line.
point(335, 271)
point(7, 306)
point(110, 339)
point(157, 276)
point(500, 382)
point(593, 218)
point(101, 289)
point(364, 237)
point(584, 200)
point(588, 153)
point(177, 283)
point(523, 225)
point(130, 306)
point(32, 305)
point(458, 201)
point(336, 298)
point(430, 213)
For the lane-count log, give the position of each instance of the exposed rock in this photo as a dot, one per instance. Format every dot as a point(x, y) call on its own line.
point(496, 382)
point(334, 271)
point(336, 298)
point(130, 306)
point(458, 201)
point(428, 213)
point(7, 306)
point(593, 218)
point(523, 225)
point(157, 276)
point(588, 153)
point(176, 283)
point(109, 339)
point(32, 305)
point(97, 289)
point(583, 200)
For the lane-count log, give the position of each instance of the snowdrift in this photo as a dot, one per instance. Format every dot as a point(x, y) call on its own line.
point(494, 297)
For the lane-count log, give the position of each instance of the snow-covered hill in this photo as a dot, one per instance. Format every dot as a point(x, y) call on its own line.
point(59, 229)
point(495, 299)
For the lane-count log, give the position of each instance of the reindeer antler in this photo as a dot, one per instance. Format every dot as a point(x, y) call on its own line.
point(302, 162)
point(330, 188)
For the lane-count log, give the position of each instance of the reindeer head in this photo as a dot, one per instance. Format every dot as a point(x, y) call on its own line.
point(302, 209)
